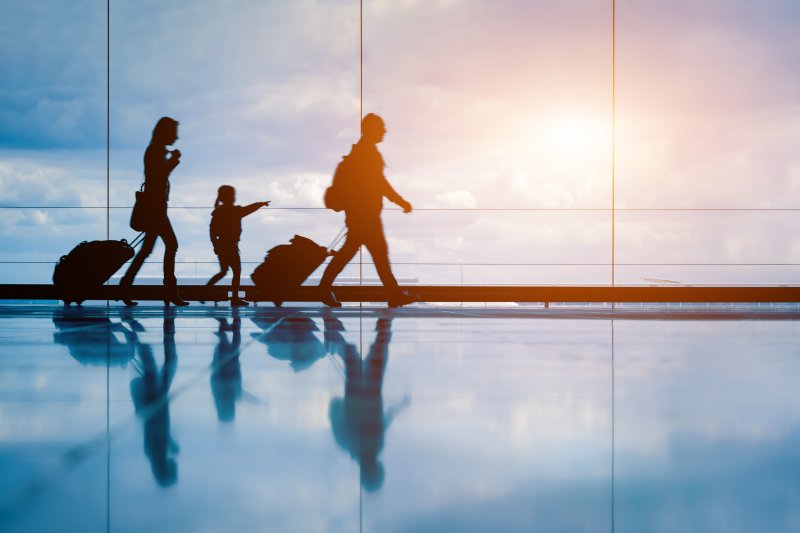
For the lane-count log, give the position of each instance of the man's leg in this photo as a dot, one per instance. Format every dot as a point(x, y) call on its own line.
point(340, 260)
point(375, 242)
point(337, 264)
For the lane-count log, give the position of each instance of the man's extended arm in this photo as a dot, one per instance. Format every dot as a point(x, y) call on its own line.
point(394, 197)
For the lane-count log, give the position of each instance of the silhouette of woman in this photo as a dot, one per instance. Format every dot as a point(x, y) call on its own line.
point(158, 164)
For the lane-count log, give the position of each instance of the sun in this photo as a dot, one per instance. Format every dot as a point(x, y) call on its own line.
point(579, 137)
point(563, 157)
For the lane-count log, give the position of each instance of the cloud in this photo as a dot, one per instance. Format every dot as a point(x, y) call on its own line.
point(458, 198)
point(25, 183)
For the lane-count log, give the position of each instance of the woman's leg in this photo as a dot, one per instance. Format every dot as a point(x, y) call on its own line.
point(170, 251)
point(147, 247)
point(127, 280)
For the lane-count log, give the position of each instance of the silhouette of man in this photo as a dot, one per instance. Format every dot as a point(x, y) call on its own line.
point(366, 186)
point(150, 393)
point(358, 420)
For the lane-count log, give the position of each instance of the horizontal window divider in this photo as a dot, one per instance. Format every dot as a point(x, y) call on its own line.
point(462, 264)
point(467, 209)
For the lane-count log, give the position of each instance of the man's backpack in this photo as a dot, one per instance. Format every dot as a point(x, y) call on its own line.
point(338, 195)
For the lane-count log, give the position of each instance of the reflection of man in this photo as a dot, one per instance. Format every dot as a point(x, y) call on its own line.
point(226, 372)
point(358, 420)
point(150, 393)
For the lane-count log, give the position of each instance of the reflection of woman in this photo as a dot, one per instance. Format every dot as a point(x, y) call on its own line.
point(158, 164)
point(150, 393)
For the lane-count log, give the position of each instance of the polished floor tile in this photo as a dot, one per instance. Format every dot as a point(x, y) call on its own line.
point(430, 419)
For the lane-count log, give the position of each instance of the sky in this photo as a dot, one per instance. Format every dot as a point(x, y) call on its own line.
point(488, 105)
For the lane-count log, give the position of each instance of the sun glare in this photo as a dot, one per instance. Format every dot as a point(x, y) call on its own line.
point(565, 156)
point(574, 137)
point(566, 139)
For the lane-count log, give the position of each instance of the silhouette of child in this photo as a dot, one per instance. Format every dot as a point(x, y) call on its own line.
point(225, 232)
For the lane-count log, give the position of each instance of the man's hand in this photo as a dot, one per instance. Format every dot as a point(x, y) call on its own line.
point(406, 207)
point(264, 204)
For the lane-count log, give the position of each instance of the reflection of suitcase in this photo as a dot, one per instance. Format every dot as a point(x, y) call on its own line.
point(89, 265)
point(287, 266)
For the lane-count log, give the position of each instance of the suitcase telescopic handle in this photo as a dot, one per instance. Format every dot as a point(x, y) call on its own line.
point(339, 238)
point(137, 240)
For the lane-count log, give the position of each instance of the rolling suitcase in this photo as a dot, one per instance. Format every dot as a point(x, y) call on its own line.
point(89, 265)
point(287, 266)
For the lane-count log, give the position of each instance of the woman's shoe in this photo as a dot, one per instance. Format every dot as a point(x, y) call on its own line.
point(125, 285)
point(238, 302)
point(175, 299)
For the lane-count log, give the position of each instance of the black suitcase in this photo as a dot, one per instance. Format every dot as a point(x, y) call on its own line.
point(287, 266)
point(89, 265)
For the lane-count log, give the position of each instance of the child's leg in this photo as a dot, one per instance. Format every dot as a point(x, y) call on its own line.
point(236, 268)
point(223, 269)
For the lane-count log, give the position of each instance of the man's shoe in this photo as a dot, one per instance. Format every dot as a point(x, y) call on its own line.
point(238, 302)
point(329, 299)
point(401, 298)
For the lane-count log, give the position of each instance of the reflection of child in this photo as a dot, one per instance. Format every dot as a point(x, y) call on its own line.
point(225, 231)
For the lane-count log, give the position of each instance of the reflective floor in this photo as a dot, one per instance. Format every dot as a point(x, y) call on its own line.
point(451, 419)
